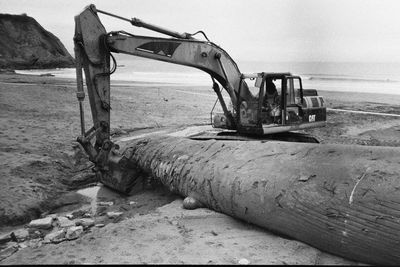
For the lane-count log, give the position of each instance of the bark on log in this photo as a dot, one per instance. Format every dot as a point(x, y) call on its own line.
point(341, 199)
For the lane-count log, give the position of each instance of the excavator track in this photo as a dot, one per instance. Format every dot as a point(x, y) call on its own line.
point(235, 136)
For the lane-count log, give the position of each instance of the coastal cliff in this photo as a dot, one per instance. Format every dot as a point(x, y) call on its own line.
point(25, 44)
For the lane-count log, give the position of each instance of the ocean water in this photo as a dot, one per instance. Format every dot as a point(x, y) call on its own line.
point(332, 76)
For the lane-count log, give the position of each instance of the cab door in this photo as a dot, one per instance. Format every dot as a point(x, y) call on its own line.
point(293, 100)
point(249, 111)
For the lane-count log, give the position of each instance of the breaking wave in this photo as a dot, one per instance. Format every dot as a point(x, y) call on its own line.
point(346, 78)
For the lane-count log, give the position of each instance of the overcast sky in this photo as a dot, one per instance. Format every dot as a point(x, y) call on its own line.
point(265, 30)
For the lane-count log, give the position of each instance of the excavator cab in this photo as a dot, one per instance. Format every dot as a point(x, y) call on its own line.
point(280, 105)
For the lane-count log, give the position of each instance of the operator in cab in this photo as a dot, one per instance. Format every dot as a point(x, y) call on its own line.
point(271, 100)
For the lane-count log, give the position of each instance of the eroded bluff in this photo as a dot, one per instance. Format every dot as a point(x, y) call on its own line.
point(25, 44)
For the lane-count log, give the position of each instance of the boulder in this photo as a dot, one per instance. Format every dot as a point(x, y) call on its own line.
point(55, 236)
point(64, 222)
point(20, 235)
point(44, 223)
point(4, 238)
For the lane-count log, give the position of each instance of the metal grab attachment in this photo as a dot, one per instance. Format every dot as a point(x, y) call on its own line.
point(228, 114)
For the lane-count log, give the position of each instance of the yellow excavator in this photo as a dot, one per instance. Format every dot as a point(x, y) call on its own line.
point(274, 107)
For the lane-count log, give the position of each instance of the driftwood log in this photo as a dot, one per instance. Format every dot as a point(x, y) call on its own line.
point(340, 199)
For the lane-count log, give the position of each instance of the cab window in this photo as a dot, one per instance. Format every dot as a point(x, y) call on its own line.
point(293, 91)
point(253, 86)
point(278, 85)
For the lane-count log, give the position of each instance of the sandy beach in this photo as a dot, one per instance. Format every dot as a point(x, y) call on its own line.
point(42, 167)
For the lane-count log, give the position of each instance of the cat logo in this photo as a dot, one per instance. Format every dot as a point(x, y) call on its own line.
point(161, 48)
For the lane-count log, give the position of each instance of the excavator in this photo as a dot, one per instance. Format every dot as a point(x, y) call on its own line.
point(250, 112)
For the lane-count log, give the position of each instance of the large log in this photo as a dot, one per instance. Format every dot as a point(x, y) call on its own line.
point(340, 199)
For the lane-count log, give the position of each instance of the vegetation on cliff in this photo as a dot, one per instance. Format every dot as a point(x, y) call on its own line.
point(25, 44)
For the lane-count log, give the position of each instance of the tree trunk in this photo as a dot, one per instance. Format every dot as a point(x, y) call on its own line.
point(341, 199)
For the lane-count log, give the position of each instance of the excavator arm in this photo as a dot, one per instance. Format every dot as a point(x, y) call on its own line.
point(205, 56)
point(93, 50)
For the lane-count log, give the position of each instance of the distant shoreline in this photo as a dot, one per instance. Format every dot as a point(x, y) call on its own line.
point(347, 96)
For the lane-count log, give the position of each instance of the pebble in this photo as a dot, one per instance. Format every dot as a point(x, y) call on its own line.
point(109, 203)
point(125, 207)
point(244, 261)
point(132, 203)
point(85, 222)
point(35, 234)
point(112, 214)
point(74, 232)
point(22, 245)
point(44, 223)
point(191, 203)
point(99, 225)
